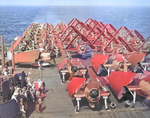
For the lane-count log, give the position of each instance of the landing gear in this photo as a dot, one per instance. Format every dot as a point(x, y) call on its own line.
point(130, 95)
point(63, 73)
point(131, 103)
point(39, 66)
point(77, 108)
point(134, 98)
point(105, 101)
point(63, 78)
point(127, 103)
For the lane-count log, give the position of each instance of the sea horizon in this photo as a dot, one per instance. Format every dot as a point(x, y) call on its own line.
point(15, 19)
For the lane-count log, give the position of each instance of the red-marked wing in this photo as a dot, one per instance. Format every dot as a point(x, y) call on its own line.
point(135, 58)
point(97, 60)
point(74, 84)
point(16, 43)
point(27, 57)
point(119, 79)
point(61, 64)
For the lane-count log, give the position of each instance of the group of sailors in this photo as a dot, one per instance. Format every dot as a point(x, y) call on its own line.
point(22, 90)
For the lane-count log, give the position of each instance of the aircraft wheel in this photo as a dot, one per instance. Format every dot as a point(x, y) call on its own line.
point(40, 68)
point(127, 103)
point(107, 108)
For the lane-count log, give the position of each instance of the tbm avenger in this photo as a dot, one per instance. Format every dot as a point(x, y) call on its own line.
point(104, 64)
point(91, 87)
point(36, 57)
point(125, 84)
point(71, 67)
point(88, 86)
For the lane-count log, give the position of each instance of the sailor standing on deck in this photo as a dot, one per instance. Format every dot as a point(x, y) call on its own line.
point(53, 56)
point(6, 71)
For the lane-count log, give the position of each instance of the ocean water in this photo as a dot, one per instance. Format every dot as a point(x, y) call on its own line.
point(15, 19)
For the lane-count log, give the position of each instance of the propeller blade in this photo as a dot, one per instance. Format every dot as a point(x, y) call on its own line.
point(69, 69)
point(69, 64)
point(91, 104)
point(70, 77)
point(125, 67)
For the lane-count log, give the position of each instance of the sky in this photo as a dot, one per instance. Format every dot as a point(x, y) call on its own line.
point(77, 2)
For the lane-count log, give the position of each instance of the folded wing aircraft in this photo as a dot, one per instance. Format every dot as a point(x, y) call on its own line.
point(92, 88)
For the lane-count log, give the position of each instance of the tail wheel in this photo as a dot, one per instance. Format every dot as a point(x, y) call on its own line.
point(127, 103)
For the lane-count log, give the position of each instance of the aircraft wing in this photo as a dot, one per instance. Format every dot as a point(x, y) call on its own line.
point(75, 85)
point(119, 79)
point(27, 56)
point(61, 64)
point(97, 60)
point(16, 43)
point(135, 58)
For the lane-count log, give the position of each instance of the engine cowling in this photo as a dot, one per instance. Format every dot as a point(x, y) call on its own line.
point(74, 69)
point(92, 92)
point(92, 96)
point(118, 66)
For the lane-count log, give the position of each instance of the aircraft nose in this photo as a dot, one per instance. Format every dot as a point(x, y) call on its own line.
point(146, 102)
point(74, 69)
point(145, 87)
